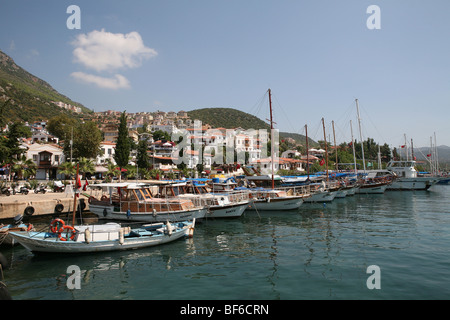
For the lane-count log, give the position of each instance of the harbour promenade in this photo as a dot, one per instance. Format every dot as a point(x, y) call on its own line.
point(37, 204)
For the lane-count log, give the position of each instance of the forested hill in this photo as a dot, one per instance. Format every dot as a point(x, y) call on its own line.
point(25, 97)
point(230, 118)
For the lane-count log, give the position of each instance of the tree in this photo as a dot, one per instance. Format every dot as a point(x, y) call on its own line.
point(86, 141)
point(85, 166)
point(67, 169)
point(24, 167)
point(161, 135)
point(16, 131)
point(122, 151)
point(142, 155)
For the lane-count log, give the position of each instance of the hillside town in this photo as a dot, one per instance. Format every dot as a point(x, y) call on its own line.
point(206, 154)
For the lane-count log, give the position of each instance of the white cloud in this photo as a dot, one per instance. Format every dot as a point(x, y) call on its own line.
point(106, 51)
point(117, 82)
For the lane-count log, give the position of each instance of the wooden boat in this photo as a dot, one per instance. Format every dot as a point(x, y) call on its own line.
point(136, 202)
point(64, 238)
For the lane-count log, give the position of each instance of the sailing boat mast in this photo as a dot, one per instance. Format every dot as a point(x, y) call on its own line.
point(335, 147)
point(307, 151)
point(360, 135)
point(326, 148)
point(353, 147)
point(75, 196)
point(271, 138)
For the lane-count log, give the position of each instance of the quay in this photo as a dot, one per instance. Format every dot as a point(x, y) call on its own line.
point(33, 205)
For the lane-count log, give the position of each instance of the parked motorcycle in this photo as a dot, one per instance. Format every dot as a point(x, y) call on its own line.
point(58, 186)
point(23, 190)
point(40, 188)
point(5, 191)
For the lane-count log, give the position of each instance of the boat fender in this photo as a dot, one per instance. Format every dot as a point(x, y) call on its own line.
point(30, 227)
point(154, 213)
point(121, 237)
point(59, 208)
point(169, 228)
point(87, 235)
point(105, 212)
point(29, 211)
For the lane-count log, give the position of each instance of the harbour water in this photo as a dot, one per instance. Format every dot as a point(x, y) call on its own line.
point(321, 251)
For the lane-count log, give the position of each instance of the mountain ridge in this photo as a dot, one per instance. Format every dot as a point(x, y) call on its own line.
point(26, 97)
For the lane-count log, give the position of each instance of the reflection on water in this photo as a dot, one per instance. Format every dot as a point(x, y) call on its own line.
point(320, 252)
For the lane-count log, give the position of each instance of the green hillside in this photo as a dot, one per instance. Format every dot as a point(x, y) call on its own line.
point(227, 118)
point(231, 118)
point(25, 97)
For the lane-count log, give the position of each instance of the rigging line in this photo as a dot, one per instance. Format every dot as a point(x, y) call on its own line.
point(370, 119)
point(284, 113)
point(256, 109)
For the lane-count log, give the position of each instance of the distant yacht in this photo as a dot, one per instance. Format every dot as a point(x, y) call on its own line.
point(407, 178)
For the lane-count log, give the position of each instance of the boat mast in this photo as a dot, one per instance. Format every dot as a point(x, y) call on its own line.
point(436, 154)
point(307, 151)
point(360, 135)
point(271, 137)
point(335, 147)
point(353, 147)
point(75, 196)
point(326, 148)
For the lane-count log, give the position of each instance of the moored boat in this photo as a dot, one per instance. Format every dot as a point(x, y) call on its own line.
point(99, 238)
point(135, 202)
point(407, 177)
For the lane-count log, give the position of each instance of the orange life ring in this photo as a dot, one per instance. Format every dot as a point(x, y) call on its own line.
point(104, 198)
point(71, 231)
point(57, 226)
point(91, 199)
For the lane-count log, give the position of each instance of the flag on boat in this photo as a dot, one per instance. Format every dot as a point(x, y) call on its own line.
point(403, 146)
point(85, 185)
point(322, 162)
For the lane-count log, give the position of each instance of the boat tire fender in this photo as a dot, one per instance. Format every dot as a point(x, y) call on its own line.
point(59, 208)
point(29, 211)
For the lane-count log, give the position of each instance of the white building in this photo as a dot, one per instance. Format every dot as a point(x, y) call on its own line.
point(47, 157)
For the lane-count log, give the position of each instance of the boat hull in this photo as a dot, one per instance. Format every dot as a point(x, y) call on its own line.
point(108, 212)
point(372, 189)
point(37, 242)
point(276, 204)
point(321, 196)
point(419, 183)
point(227, 211)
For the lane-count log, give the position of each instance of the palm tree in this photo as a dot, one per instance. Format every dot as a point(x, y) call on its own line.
point(112, 169)
point(23, 167)
point(67, 168)
point(85, 166)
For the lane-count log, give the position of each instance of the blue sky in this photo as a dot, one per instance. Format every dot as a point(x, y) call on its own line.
point(316, 56)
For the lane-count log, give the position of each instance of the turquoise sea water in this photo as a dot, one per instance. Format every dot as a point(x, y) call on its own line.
point(321, 251)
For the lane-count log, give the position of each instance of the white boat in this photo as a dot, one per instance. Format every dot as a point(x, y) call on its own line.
point(99, 238)
point(135, 202)
point(273, 200)
point(407, 178)
point(225, 204)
